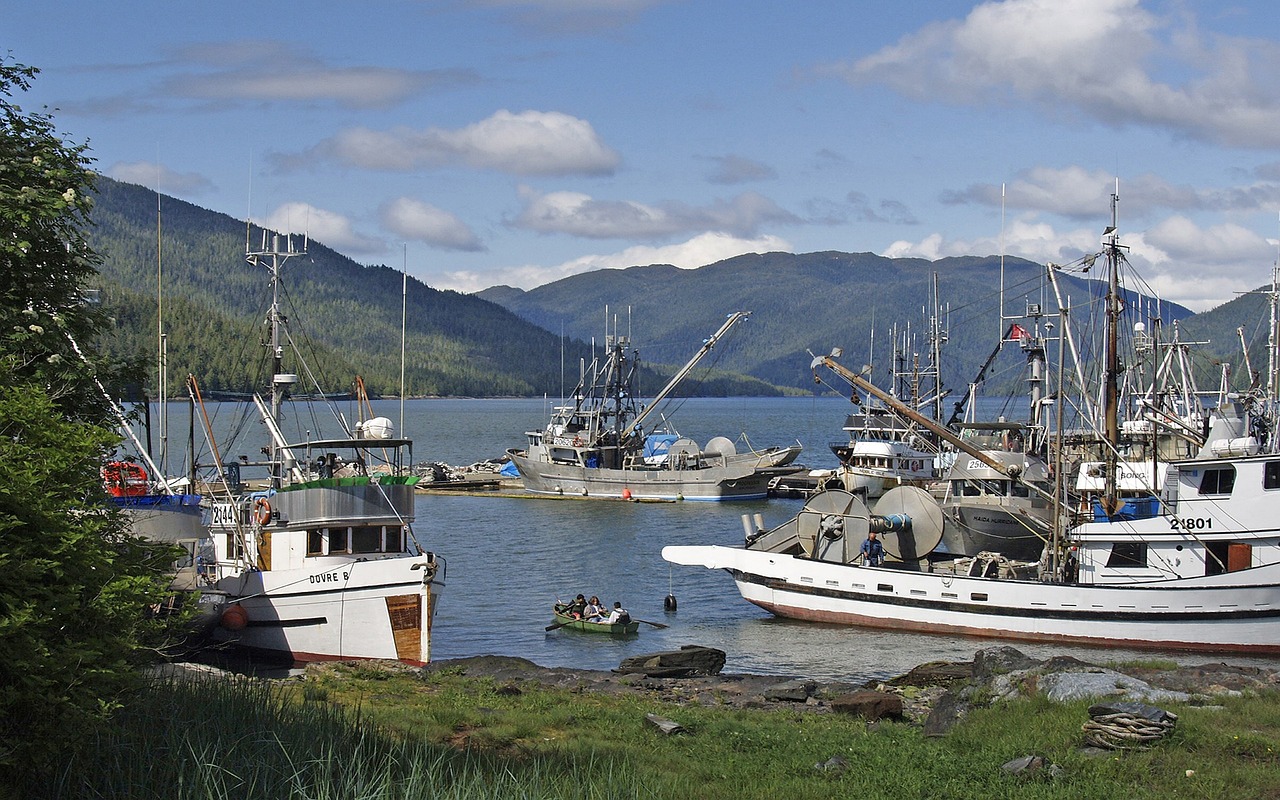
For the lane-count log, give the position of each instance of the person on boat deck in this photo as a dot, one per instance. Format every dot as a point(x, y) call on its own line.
point(619, 615)
point(594, 611)
point(873, 551)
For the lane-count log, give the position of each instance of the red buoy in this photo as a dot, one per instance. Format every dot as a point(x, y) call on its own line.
point(626, 494)
point(234, 618)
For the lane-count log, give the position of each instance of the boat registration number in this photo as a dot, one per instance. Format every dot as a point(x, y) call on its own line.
point(222, 515)
point(1191, 523)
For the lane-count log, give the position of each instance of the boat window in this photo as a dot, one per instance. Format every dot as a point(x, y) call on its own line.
point(235, 546)
point(1021, 490)
point(315, 542)
point(395, 539)
point(188, 556)
point(366, 540)
point(1128, 554)
point(1271, 475)
point(1220, 480)
point(339, 540)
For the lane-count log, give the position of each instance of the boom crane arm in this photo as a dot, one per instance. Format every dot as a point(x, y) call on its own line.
point(920, 419)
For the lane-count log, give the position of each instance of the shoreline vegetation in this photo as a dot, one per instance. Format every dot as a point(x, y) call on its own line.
point(499, 727)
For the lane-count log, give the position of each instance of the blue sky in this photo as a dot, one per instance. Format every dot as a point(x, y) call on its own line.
point(486, 142)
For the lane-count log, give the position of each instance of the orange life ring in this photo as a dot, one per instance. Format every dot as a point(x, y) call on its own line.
point(262, 511)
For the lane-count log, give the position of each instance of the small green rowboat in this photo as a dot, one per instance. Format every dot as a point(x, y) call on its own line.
point(569, 623)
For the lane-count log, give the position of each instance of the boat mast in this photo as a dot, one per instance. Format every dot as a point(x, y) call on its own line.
point(1273, 367)
point(1111, 245)
point(273, 259)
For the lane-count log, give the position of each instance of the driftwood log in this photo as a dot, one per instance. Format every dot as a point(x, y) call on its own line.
point(689, 660)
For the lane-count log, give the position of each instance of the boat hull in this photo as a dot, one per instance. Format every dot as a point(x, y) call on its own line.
point(1014, 533)
point(616, 629)
point(735, 481)
point(1208, 614)
point(376, 609)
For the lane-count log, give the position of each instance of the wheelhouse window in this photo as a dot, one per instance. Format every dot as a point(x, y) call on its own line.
point(1128, 554)
point(1219, 480)
point(366, 540)
point(1271, 475)
point(395, 539)
point(339, 540)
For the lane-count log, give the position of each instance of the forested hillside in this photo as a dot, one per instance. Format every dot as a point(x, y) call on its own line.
point(506, 341)
point(817, 301)
point(347, 316)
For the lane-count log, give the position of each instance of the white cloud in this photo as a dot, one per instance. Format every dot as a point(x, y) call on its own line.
point(1084, 194)
point(160, 177)
point(524, 143)
point(706, 248)
point(332, 230)
point(579, 214)
point(270, 71)
point(1184, 263)
point(423, 222)
point(1096, 57)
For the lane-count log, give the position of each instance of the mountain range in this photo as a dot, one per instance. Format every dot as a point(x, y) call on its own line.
point(505, 341)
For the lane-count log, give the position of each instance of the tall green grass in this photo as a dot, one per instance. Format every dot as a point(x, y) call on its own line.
point(356, 732)
point(244, 739)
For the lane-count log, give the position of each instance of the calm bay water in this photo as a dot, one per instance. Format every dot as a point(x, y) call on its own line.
point(508, 559)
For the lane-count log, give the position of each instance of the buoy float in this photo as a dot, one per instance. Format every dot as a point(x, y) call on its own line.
point(262, 512)
point(626, 494)
point(235, 618)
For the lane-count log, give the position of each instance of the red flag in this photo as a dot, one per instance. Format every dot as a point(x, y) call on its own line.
point(1017, 332)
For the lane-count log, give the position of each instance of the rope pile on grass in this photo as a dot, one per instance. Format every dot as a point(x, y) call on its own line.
point(1126, 726)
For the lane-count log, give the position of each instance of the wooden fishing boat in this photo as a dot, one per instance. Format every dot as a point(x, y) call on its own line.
point(567, 622)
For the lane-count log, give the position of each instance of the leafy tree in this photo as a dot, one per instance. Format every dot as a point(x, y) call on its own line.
point(73, 582)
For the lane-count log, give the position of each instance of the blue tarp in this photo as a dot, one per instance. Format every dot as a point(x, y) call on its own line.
point(158, 500)
point(658, 444)
point(509, 470)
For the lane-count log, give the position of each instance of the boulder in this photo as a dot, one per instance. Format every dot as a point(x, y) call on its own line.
point(991, 661)
point(689, 660)
point(870, 705)
point(794, 691)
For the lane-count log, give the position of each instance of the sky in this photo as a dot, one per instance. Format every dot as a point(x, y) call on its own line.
point(476, 143)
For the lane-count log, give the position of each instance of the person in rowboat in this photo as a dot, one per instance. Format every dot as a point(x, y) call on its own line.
point(594, 611)
point(619, 615)
point(576, 608)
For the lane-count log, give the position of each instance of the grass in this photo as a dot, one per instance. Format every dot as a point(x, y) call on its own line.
point(363, 732)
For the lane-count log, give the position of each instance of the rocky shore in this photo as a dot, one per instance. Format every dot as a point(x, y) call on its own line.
point(933, 695)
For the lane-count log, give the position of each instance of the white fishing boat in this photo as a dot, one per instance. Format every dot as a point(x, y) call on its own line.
point(598, 446)
point(1196, 569)
point(318, 559)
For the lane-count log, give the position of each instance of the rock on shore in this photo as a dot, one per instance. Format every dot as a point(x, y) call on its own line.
point(934, 695)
